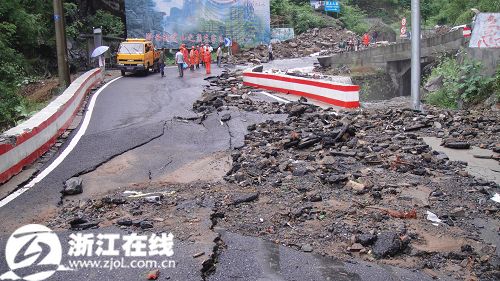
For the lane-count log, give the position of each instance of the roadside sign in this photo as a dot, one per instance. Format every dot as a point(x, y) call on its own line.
point(403, 29)
point(227, 42)
point(467, 32)
point(332, 6)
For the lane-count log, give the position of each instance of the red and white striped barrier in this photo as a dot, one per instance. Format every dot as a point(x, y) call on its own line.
point(337, 94)
point(25, 143)
point(467, 32)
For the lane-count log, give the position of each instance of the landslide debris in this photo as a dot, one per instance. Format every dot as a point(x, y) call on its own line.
point(313, 41)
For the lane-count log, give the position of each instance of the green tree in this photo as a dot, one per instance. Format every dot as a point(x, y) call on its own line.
point(111, 25)
point(24, 28)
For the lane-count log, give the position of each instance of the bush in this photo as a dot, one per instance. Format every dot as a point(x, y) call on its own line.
point(462, 83)
point(299, 14)
point(353, 18)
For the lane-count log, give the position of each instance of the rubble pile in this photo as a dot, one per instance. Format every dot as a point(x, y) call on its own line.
point(228, 90)
point(360, 183)
point(349, 184)
point(310, 42)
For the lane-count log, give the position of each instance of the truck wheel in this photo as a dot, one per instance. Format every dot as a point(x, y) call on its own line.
point(123, 72)
point(146, 71)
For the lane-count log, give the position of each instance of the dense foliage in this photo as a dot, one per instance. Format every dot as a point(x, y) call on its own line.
point(298, 14)
point(433, 12)
point(462, 83)
point(78, 23)
point(22, 33)
point(27, 47)
point(353, 18)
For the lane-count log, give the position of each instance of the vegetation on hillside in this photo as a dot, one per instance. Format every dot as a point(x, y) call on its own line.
point(462, 83)
point(434, 12)
point(27, 45)
point(297, 14)
point(301, 16)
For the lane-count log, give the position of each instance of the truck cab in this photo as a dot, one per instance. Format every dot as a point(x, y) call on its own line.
point(137, 55)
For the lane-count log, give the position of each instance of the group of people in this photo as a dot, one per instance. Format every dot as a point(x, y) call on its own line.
point(196, 56)
point(356, 43)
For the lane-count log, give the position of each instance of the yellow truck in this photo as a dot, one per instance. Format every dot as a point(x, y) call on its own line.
point(138, 55)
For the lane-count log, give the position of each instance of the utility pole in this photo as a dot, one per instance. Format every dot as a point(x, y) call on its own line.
point(62, 49)
point(415, 54)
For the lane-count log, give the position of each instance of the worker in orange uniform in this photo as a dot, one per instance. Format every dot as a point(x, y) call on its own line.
point(207, 59)
point(192, 59)
point(185, 53)
point(197, 56)
point(366, 39)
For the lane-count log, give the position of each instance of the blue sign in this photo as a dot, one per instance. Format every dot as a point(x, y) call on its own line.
point(332, 6)
point(228, 42)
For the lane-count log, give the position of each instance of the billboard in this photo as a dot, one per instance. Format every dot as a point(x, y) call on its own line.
point(169, 23)
point(332, 6)
point(486, 31)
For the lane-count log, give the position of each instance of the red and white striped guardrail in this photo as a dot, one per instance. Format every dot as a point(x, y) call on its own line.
point(337, 94)
point(23, 144)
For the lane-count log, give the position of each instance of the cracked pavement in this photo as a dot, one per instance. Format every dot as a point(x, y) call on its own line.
point(143, 133)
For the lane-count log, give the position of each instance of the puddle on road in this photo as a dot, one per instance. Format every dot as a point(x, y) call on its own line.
point(487, 169)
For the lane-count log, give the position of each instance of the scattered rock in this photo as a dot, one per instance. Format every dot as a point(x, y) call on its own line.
point(366, 239)
point(387, 244)
point(73, 186)
point(306, 248)
point(356, 247)
point(146, 224)
point(153, 275)
point(226, 117)
point(245, 198)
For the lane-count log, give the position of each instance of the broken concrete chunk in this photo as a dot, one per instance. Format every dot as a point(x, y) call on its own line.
point(297, 110)
point(457, 145)
point(146, 224)
point(73, 186)
point(125, 222)
point(356, 247)
point(387, 244)
point(356, 186)
point(366, 239)
point(85, 225)
point(226, 117)
point(306, 248)
point(244, 198)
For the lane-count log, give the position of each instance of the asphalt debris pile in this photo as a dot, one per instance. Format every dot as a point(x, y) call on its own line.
point(139, 211)
point(310, 42)
point(227, 90)
point(360, 184)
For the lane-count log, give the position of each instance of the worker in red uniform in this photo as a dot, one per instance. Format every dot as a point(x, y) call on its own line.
point(207, 59)
point(197, 56)
point(192, 59)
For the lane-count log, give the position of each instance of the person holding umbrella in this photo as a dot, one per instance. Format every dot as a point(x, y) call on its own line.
point(99, 52)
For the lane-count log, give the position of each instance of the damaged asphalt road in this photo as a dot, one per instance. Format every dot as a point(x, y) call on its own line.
point(123, 119)
point(149, 140)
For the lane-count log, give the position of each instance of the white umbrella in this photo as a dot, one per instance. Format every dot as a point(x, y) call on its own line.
point(99, 51)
